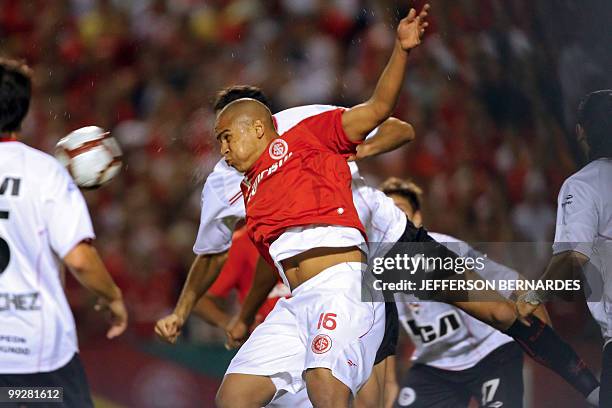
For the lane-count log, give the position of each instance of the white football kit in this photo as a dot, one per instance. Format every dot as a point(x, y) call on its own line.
point(277, 339)
point(584, 224)
point(444, 336)
point(42, 216)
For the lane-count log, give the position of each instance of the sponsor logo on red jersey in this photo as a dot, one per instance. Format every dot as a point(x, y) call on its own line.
point(273, 168)
point(321, 344)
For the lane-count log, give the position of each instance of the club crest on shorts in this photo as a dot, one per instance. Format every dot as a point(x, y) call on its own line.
point(321, 344)
point(278, 149)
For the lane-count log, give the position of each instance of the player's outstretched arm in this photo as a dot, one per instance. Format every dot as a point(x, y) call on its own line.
point(362, 119)
point(263, 282)
point(203, 272)
point(391, 135)
point(86, 265)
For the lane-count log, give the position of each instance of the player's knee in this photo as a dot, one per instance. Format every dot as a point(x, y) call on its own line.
point(324, 390)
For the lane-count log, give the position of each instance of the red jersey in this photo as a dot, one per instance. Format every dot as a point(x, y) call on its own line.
point(301, 179)
point(238, 273)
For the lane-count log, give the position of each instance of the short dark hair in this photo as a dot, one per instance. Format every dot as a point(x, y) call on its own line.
point(405, 188)
point(595, 117)
point(235, 92)
point(15, 93)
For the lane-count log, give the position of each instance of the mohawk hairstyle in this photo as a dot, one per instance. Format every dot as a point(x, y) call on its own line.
point(233, 93)
point(15, 92)
point(405, 188)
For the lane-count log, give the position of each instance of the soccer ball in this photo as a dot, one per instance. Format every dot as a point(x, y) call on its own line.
point(91, 155)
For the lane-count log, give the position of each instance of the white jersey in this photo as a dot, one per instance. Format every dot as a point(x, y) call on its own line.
point(42, 215)
point(444, 336)
point(584, 224)
point(223, 205)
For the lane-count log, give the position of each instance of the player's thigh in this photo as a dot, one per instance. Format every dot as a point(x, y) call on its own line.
point(500, 380)
point(325, 390)
point(275, 350)
point(343, 334)
point(425, 387)
point(371, 394)
point(605, 393)
point(245, 391)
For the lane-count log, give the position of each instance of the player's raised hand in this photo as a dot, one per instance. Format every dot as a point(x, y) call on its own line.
point(411, 29)
point(118, 316)
point(169, 328)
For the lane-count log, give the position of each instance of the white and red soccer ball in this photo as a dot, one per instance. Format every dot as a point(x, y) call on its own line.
point(91, 155)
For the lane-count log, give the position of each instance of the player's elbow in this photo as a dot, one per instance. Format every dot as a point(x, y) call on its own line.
point(81, 257)
point(404, 131)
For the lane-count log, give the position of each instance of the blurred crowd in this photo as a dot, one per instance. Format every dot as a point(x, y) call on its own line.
point(491, 94)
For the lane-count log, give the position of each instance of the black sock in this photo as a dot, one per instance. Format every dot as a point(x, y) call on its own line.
point(542, 344)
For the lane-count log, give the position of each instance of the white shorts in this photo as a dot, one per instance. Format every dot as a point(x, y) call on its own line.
point(325, 324)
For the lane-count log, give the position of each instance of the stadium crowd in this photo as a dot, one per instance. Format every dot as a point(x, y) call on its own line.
point(491, 96)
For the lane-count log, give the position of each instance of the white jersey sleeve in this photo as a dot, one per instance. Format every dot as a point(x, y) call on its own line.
point(577, 217)
point(222, 206)
point(65, 213)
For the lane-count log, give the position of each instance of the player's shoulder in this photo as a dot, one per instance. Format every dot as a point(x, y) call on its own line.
point(594, 178)
point(42, 164)
point(289, 118)
point(224, 181)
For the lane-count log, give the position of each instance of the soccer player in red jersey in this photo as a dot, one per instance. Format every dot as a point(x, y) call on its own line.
point(237, 274)
point(301, 216)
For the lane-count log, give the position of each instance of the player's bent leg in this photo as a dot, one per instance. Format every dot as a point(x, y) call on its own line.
point(372, 393)
point(342, 326)
point(269, 364)
point(325, 390)
point(245, 391)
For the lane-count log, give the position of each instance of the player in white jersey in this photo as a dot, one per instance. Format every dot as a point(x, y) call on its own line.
point(583, 236)
point(456, 357)
point(43, 219)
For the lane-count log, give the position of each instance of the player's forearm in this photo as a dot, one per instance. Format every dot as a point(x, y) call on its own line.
point(87, 267)
point(263, 282)
point(387, 91)
point(563, 266)
point(391, 135)
point(202, 274)
point(360, 120)
point(207, 309)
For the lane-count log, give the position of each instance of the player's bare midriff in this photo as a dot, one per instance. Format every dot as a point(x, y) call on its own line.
point(306, 265)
